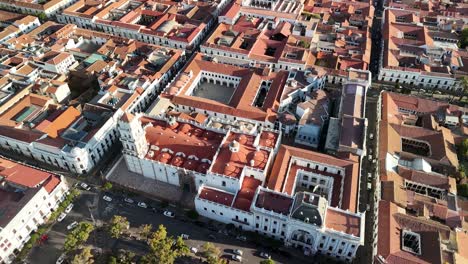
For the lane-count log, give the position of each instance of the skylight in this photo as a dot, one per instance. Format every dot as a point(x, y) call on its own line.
point(411, 242)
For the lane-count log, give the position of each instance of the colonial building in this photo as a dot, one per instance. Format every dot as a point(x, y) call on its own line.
point(27, 198)
point(308, 201)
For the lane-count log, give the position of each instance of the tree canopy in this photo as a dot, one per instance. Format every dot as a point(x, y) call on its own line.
point(84, 257)
point(164, 249)
point(145, 231)
point(464, 38)
point(78, 236)
point(117, 225)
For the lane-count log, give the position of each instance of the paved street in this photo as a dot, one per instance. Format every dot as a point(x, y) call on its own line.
point(91, 203)
point(368, 173)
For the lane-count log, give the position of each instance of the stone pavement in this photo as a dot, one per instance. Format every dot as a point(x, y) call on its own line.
point(121, 176)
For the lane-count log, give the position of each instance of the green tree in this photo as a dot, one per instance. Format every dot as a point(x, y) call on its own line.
point(112, 260)
point(267, 261)
point(117, 225)
point(42, 17)
point(463, 149)
point(84, 257)
point(304, 44)
point(164, 249)
point(125, 256)
point(215, 260)
point(161, 246)
point(463, 38)
point(464, 85)
point(208, 249)
point(180, 247)
point(107, 186)
point(78, 236)
point(145, 231)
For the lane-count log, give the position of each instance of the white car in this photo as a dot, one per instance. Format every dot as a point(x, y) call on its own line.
point(128, 200)
point(371, 136)
point(61, 217)
point(61, 259)
point(237, 252)
point(72, 225)
point(169, 214)
point(184, 236)
point(265, 255)
point(107, 198)
point(237, 258)
point(142, 205)
point(85, 186)
point(69, 208)
point(194, 250)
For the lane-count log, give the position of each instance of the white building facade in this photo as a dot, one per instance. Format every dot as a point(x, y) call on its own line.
point(34, 212)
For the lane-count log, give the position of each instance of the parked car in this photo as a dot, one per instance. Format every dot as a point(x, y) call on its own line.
point(107, 198)
point(194, 250)
point(61, 217)
point(72, 225)
point(212, 236)
point(61, 259)
point(169, 214)
point(128, 200)
point(85, 186)
point(265, 255)
point(69, 208)
point(237, 258)
point(237, 252)
point(184, 236)
point(241, 238)
point(371, 136)
point(142, 205)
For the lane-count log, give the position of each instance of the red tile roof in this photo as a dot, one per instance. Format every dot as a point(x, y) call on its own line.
point(29, 177)
point(275, 202)
point(343, 222)
point(241, 103)
point(231, 163)
point(216, 195)
point(51, 183)
point(391, 224)
point(184, 138)
point(246, 194)
point(281, 179)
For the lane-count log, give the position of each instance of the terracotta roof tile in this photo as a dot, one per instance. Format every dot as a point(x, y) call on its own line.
point(343, 222)
point(282, 179)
